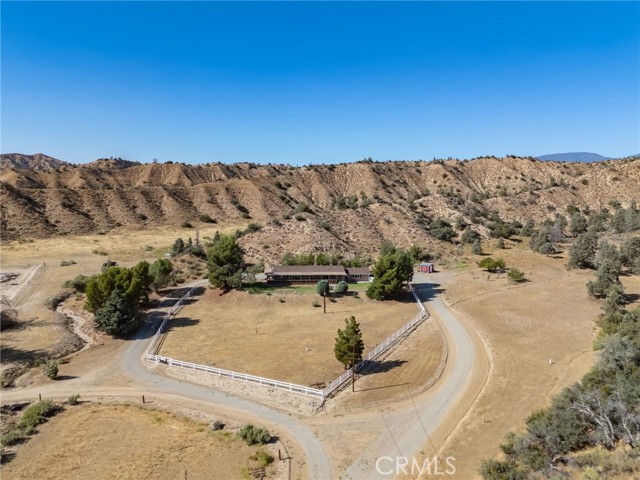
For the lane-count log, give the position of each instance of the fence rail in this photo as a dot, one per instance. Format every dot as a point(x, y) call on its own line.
point(292, 387)
point(386, 344)
point(382, 347)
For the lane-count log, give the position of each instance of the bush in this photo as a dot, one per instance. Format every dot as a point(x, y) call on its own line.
point(13, 437)
point(73, 399)
point(515, 275)
point(254, 435)
point(37, 414)
point(342, 287)
point(492, 265)
point(186, 225)
point(78, 283)
point(262, 457)
point(66, 263)
point(207, 219)
point(52, 370)
point(52, 302)
point(316, 303)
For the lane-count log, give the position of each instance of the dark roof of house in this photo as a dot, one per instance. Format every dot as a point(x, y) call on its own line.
point(359, 271)
point(307, 270)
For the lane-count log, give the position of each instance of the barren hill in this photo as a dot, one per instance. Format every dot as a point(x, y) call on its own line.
point(347, 207)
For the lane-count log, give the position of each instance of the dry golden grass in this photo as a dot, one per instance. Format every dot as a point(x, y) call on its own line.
point(549, 317)
point(277, 336)
point(127, 442)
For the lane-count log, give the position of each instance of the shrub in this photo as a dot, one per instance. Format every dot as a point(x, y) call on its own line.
point(66, 263)
point(500, 244)
point(73, 399)
point(78, 283)
point(316, 303)
point(342, 287)
point(186, 225)
point(52, 370)
point(37, 414)
point(254, 435)
point(515, 275)
point(262, 457)
point(12, 437)
point(492, 265)
point(207, 219)
point(52, 302)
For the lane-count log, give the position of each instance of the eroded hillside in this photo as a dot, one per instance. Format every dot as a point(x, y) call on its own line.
point(347, 207)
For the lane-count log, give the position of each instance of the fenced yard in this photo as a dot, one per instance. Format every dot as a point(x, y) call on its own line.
point(281, 336)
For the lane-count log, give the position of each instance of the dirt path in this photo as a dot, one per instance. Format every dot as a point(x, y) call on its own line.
point(400, 427)
point(436, 413)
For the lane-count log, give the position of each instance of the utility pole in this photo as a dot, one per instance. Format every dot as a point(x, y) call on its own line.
point(324, 302)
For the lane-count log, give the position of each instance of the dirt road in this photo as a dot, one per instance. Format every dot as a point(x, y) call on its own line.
point(434, 413)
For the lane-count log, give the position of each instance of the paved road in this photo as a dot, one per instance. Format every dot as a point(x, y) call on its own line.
point(406, 436)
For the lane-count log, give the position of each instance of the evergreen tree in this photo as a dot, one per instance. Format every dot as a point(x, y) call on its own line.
point(476, 247)
point(578, 224)
point(342, 287)
point(133, 282)
point(178, 247)
point(118, 317)
point(160, 272)
point(392, 270)
point(52, 370)
point(322, 287)
point(349, 346)
point(608, 275)
point(224, 262)
point(582, 253)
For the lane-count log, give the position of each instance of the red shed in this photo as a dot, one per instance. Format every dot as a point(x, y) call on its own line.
point(426, 267)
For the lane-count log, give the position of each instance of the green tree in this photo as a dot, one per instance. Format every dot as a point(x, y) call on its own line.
point(178, 247)
point(349, 346)
point(128, 280)
point(52, 370)
point(322, 287)
point(160, 272)
point(442, 230)
point(392, 270)
point(225, 263)
point(515, 276)
point(469, 235)
point(118, 317)
point(630, 254)
point(342, 287)
point(491, 264)
point(578, 224)
point(608, 274)
point(582, 253)
point(476, 247)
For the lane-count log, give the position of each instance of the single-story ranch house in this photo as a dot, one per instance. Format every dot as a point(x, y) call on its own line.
point(315, 273)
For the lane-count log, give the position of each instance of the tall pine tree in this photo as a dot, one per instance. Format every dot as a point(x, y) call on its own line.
point(349, 345)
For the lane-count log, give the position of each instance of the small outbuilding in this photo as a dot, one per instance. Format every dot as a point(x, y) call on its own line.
point(426, 267)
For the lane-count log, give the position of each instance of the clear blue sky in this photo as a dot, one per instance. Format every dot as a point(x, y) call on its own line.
point(319, 82)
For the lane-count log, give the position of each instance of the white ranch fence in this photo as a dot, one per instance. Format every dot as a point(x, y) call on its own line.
point(342, 380)
point(382, 347)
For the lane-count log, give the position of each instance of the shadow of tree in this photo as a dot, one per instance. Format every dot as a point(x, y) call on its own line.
point(375, 366)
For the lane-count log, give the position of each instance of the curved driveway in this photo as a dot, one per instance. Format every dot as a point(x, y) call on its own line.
point(405, 430)
point(452, 395)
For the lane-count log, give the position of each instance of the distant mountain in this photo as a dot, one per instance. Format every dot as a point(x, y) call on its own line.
point(582, 157)
point(38, 162)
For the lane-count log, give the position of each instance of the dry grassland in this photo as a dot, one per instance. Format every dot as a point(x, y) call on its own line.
point(277, 336)
point(127, 442)
point(548, 317)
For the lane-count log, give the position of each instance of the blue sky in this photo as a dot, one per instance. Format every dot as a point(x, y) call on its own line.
point(314, 82)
